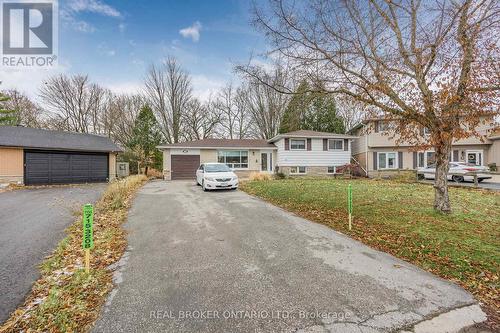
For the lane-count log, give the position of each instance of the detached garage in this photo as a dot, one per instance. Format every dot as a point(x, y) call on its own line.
point(41, 157)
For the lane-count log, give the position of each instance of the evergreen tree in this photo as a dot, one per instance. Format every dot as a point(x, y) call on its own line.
point(7, 117)
point(293, 115)
point(146, 135)
point(311, 111)
point(321, 115)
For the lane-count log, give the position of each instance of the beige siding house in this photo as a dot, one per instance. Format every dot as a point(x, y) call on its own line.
point(39, 157)
point(180, 160)
point(377, 153)
point(297, 153)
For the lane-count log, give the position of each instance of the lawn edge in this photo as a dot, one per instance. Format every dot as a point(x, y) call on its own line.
point(493, 316)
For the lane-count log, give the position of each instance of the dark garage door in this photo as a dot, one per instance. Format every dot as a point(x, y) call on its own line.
point(42, 168)
point(184, 166)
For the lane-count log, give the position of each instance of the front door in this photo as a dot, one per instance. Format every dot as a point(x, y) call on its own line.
point(475, 157)
point(266, 164)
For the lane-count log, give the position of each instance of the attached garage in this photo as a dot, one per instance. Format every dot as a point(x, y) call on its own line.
point(180, 160)
point(42, 157)
point(184, 166)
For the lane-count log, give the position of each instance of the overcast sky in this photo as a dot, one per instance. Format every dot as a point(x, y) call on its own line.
point(114, 42)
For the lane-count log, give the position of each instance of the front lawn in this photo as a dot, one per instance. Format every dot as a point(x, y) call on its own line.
point(398, 218)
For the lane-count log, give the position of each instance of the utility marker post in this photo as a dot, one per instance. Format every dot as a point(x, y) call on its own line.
point(88, 233)
point(349, 204)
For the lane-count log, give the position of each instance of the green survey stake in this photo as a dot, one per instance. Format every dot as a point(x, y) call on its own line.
point(88, 222)
point(349, 204)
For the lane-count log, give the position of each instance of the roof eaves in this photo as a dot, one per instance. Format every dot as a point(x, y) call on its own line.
point(329, 136)
point(214, 147)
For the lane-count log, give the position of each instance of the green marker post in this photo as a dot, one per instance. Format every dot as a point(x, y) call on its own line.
point(88, 233)
point(349, 204)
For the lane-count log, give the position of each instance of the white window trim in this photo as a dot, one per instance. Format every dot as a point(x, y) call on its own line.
point(298, 139)
point(396, 164)
point(475, 151)
point(240, 150)
point(334, 169)
point(298, 172)
point(426, 157)
point(336, 149)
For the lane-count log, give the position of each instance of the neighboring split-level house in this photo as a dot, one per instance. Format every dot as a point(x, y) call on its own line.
point(295, 153)
point(376, 151)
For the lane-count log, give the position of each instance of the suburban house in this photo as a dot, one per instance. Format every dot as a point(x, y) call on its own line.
point(376, 151)
point(297, 153)
point(34, 156)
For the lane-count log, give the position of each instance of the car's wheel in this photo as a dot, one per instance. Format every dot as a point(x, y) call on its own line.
point(457, 179)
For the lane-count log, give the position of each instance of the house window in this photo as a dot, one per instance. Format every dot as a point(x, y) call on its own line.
point(299, 169)
point(383, 126)
point(421, 160)
point(334, 144)
point(236, 159)
point(426, 158)
point(431, 157)
point(387, 160)
point(297, 144)
point(332, 169)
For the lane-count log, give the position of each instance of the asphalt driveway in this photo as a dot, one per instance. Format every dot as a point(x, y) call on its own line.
point(228, 262)
point(32, 222)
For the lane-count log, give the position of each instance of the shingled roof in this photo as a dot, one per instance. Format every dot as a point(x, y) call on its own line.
point(221, 143)
point(26, 137)
point(313, 134)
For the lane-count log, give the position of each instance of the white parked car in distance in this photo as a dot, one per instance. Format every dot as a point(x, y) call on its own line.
point(216, 176)
point(458, 171)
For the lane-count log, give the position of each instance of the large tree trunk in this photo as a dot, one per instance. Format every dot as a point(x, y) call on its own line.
point(441, 198)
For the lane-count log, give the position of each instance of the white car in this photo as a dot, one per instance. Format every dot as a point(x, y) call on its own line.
point(457, 172)
point(216, 176)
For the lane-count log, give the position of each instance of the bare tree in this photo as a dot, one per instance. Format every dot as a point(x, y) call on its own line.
point(74, 102)
point(431, 64)
point(120, 117)
point(200, 120)
point(350, 110)
point(27, 112)
point(232, 104)
point(265, 103)
point(168, 89)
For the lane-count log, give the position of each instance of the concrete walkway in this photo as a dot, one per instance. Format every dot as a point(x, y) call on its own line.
point(228, 262)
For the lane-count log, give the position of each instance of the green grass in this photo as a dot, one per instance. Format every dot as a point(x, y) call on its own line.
point(398, 218)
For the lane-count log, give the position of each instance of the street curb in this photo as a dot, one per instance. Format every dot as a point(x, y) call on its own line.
point(453, 321)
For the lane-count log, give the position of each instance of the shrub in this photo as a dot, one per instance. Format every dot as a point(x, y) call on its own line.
point(279, 175)
point(259, 176)
point(351, 169)
point(154, 173)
